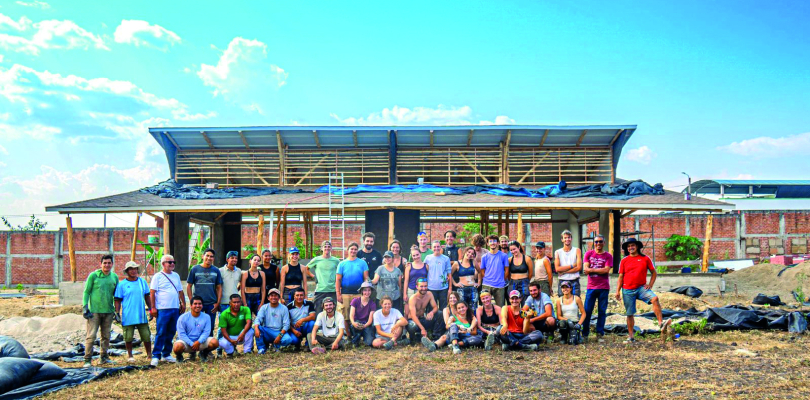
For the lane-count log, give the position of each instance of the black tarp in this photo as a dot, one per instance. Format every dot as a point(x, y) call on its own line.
point(690, 291)
point(9, 347)
point(73, 377)
point(762, 299)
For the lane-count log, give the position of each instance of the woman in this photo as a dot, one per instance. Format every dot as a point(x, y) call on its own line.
point(542, 269)
point(293, 276)
point(270, 270)
point(462, 330)
point(253, 282)
point(520, 268)
point(488, 316)
point(396, 248)
point(467, 285)
point(413, 271)
point(361, 317)
point(389, 324)
point(571, 315)
point(388, 279)
point(447, 315)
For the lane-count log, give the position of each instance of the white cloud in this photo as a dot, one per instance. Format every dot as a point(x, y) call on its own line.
point(141, 33)
point(3, 150)
point(38, 4)
point(641, 155)
point(767, 146)
point(243, 74)
point(441, 115)
point(1, 58)
point(21, 25)
point(48, 34)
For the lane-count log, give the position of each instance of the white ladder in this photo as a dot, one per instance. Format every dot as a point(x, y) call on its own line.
point(192, 242)
point(337, 213)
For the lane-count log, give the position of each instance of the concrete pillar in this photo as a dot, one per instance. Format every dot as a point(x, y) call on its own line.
point(604, 228)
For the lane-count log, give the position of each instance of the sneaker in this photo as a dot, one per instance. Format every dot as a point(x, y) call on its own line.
point(154, 362)
point(204, 356)
point(504, 347)
point(179, 358)
point(456, 349)
point(262, 351)
point(389, 345)
point(428, 344)
point(87, 364)
point(131, 360)
point(489, 342)
point(630, 340)
point(318, 350)
point(106, 360)
point(404, 342)
point(169, 359)
point(531, 347)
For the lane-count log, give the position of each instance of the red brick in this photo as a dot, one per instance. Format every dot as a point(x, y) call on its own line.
point(756, 222)
point(2, 268)
point(122, 239)
point(32, 271)
point(723, 226)
point(27, 243)
point(88, 240)
point(85, 264)
point(664, 226)
point(628, 224)
point(3, 242)
point(795, 222)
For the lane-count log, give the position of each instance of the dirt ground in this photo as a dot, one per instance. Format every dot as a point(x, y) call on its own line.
point(24, 307)
point(763, 278)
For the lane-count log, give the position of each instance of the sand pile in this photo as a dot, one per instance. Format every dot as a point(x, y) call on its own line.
point(39, 334)
point(762, 278)
point(641, 323)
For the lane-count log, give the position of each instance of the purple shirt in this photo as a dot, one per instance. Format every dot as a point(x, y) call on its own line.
point(493, 266)
point(361, 313)
point(598, 281)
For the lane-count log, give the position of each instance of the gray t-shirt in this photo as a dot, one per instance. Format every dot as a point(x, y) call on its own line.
point(205, 281)
point(438, 269)
point(388, 283)
point(230, 282)
point(330, 327)
point(539, 306)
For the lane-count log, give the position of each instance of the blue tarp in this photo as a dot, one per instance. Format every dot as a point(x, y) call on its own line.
point(173, 190)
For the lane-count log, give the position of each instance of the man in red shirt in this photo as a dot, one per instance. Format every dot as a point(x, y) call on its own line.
point(633, 285)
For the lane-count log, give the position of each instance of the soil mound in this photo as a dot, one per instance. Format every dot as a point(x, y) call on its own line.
point(764, 278)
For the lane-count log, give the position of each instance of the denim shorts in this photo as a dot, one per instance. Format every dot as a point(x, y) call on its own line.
point(629, 297)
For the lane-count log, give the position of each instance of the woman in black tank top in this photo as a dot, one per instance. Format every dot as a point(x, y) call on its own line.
point(488, 315)
point(270, 270)
point(292, 277)
point(520, 267)
point(253, 282)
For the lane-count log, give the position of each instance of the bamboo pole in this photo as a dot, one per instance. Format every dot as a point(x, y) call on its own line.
point(706, 245)
point(71, 249)
point(278, 234)
point(284, 248)
point(135, 236)
point(260, 235)
point(390, 227)
point(611, 230)
point(166, 248)
point(520, 227)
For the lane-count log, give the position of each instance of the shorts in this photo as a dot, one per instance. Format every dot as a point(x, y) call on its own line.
point(203, 346)
point(143, 332)
point(629, 297)
point(345, 306)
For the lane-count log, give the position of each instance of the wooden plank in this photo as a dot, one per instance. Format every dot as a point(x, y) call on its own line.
point(260, 235)
point(505, 159)
point(615, 137)
point(171, 139)
point(431, 138)
point(151, 215)
point(533, 168)
point(611, 232)
point(707, 244)
point(244, 140)
point(581, 137)
point(543, 140)
point(469, 138)
point(390, 227)
point(281, 159)
point(314, 167)
point(71, 248)
point(317, 141)
point(135, 236)
point(254, 171)
point(354, 138)
point(474, 168)
point(219, 216)
point(166, 234)
point(520, 235)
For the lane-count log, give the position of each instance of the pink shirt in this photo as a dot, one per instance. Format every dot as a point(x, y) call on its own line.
point(595, 260)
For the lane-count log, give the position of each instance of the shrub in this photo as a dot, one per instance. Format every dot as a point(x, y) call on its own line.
point(683, 248)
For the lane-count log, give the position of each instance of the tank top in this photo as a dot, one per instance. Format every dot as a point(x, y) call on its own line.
point(540, 269)
point(490, 320)
point(514, 323)
point(462, 324)
point(465, 271)
point(570, 311)
point(269, 276)
point(523, 268)
point(416, 274)
point(567, 258)
point(254, 282)
point(294, 276)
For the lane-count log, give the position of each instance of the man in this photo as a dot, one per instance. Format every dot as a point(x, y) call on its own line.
point(231, 277)
point(272, 324)
point(633, 286)
point(207, 283)
point(372, 257)
point(234, 326)
point(351, 273)
point(597, 265)
point(194, 333)
point(422, 240)
point(424, 321)
point(131, 302)
point(97, 306)
point(439, 270)
point(450, 248)
point(479, 243)
point(328, 329)
point(323, 268)
point(542, 269)
point(503, 242)
point(302, 316)
point(540, 310)
point(568, 263)
point(390, 325)
point(493, 271)
point(168, 302)
point(516, 332)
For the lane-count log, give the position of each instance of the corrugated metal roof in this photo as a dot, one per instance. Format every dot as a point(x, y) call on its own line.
point(747, 182)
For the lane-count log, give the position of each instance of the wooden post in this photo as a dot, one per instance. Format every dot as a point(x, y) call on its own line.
point(135, 236)
point(71, 249)
point(500, 221)
point(166, 248)
point(284, 248)
point(609, 237)
point(260, 235)
point(707, 244)
point(520, 227)
point(390, 227)
point(278, 234)
point(506, 222)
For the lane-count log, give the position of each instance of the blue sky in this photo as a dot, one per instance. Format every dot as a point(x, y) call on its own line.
point(718, 89)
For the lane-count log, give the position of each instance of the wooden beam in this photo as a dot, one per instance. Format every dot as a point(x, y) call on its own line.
point(317, 141)
point(281, 160)
point(71, 248)
point(505, 155)
point(135, 236)
point(543, 140)
point(581, 137)
point(628, 212)
point(506, 222)
point(469, 138)
point(172, 140)
point(244, 141)
point(611, 231)
point(471, 165)
point(529, 172)
point(207, 140)
point(615, 137)
point(354, 137)
point(166, 234)
point(253, 170)
point(390, 227)
point(706, 245)
point(520, 235)
point(151, 215)
point(260, 236)
point(283, 252)
point(220, 216)
point(311, 170)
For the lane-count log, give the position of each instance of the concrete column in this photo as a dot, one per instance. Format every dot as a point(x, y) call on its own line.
point(687, 229)
point(57, 251)
point(604, 228)
point(178, 229)
point(739, 247)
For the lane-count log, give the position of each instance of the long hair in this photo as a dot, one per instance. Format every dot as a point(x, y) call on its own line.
point(467, 315)
point(518, 245)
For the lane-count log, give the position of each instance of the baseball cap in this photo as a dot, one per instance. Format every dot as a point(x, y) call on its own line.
point(541, 245)
point(274, 290)
point(389, 253)
point(327, 300)
point(565, 283)
point(131, 264)
point(231, 253)
point(294, 250)
point(514, 293)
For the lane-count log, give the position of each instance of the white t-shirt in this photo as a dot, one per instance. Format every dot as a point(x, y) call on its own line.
point(330, 327)
point(166, 287)
point(386, 323)
point(230, 281)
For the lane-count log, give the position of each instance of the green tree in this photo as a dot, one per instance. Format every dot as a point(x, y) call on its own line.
point(34, 225)
point(683, 248)
point(472, 228)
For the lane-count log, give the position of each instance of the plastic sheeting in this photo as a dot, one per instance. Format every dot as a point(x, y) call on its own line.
point(73, 377)
point(762, 299)
point(9, 347)
point(171, 189)
point(690, 291)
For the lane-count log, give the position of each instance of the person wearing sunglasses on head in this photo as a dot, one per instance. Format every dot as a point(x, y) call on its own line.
point(168, 302)
point(597, 265)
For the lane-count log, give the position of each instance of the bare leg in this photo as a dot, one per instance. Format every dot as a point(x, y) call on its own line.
point(148, 347)
point(442, 341)
point(657, 310)
point(631, 323)
point(377, 343)
point(128, 345)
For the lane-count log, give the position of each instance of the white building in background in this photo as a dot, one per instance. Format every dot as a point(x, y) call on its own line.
point(756, 195)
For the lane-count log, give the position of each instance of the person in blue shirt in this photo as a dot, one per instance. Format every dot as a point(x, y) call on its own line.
point(302, 317)
point(131, 298)
point(351, 273)
point(272, 324)
point(494, 271)
point(194, 333)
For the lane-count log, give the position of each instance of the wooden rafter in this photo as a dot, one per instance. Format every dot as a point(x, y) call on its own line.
point(171, 139)
point(244, 140)
point(469, 137)
point(207, 140)
point(152, 215)
point(616, 137)
point(220, 216)
point(543, 140)
point(477, 172)
point(505, 160)
point(281, 159)
point(581, 137)
point(317, 141)
point(628, 212)
point(311, 170)
point(529, 172)
point(431, 138)
point(354, 137)
point(253, 170)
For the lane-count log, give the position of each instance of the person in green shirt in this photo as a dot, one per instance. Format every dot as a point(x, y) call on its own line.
point(235, 324)
point(98, 309)
point(324, 268)
point(422, 239)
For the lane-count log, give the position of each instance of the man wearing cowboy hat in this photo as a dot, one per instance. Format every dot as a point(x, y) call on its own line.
point(131, 298)
point(633, 285)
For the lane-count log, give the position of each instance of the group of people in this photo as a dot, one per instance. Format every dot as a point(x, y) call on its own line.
point(437, 294)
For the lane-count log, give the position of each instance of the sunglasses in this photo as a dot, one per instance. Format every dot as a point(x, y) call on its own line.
point(599, 241)
point(170, 262)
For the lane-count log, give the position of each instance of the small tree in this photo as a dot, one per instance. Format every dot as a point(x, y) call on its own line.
point(34, 225)
point(472, 228)
point(683, 248)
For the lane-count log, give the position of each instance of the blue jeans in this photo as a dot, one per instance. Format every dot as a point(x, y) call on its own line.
point(209, 310)
point(574, 286)
point(252, 301)
point(305, 330)
point(469, 295)
point(166, 328)
point(366, 334)
point(522, 286)
point(464, 339)
point(629, 297)
point(520, 340)
point(591, 296)
point(269, 335)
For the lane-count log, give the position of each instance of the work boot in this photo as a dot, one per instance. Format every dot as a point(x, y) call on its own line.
point(428, 344)
point(489, 342)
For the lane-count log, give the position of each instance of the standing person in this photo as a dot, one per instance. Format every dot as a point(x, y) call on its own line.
point(494, 270)
point(351, 273)
point(253, 283)
point(568, 263)
point(396, 249)
point(422, 244)
point(633, 286)
point(390, 326)
point(467, 283)
point(272, 324)
point(572, 315)
point(372, 257)
point(388, 279)
point(516, 332)
point(168, 302)
point(414, 271)
point(98, 309)
point(542, 269)
point(521, 267)
point(463, 331)
point(271, 272)
point(234, 325)
point(597, 265)
point(503, 244)
point(231, 278)
point(328, 330)
point(439, 270)
point(293, 276)
point(324, 267)
point(302, 317)
point(131, 302)
point(207, 283)
point(450, 248)
point(361, 317)
point(541, 310)
point(194, 333)
point(423, 321)
point(479, 244)
point(489, 319)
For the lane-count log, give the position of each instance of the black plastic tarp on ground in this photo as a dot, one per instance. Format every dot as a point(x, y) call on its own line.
point(762, 299)
point(690, 291)
point(73, 377)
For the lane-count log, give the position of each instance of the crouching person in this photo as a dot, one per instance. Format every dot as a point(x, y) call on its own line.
point(390, 325)
point(517, 332)
point(463, 330)
point(572, 315)
point(235, 324)
point(272, 324)
point(302, 317)
point(329, 329)
point(194, 333)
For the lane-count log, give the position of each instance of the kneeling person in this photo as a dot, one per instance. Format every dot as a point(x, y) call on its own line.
point(329, 329)
point(194, 333)
point(235, 324)
point(302, 316)
point(272, 324)
point(424, 322)
point(516, 332)
point(390, 325)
